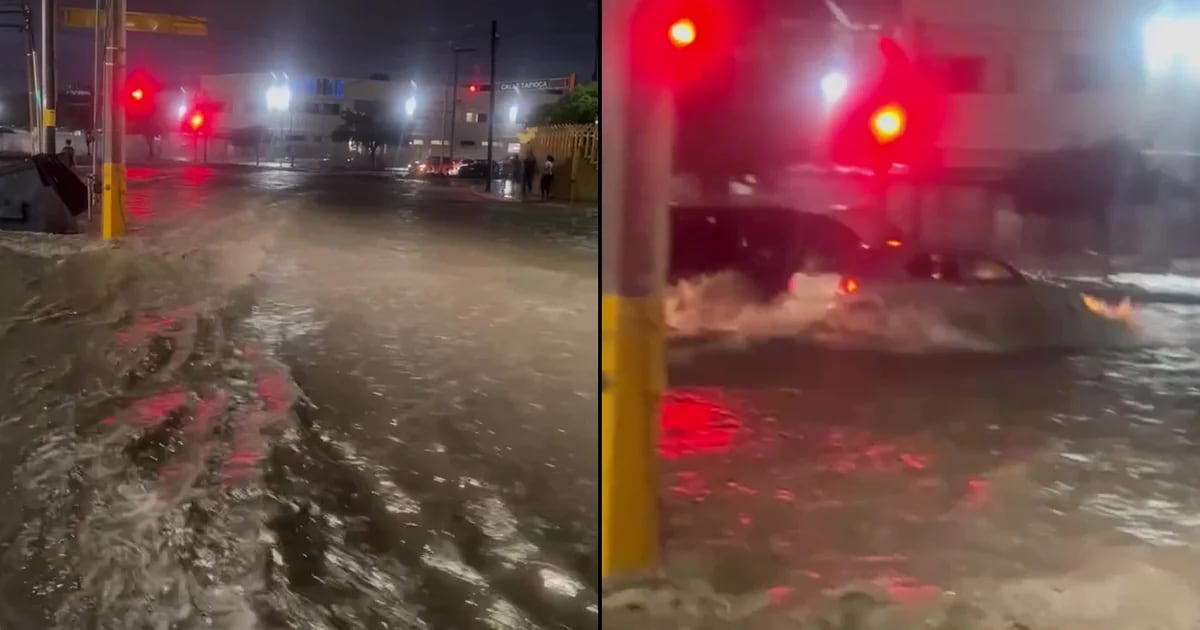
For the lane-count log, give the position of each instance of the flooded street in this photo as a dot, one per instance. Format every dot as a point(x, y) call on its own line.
point(1041, 489)
point(295, 400)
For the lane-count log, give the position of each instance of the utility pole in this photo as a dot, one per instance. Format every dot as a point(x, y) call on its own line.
point(112, 201)
point(491, 106)
point(453, 109)
point(49, 83)
point(454, 100)
point(638, 117)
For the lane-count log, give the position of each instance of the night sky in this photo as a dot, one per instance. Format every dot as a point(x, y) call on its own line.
point(407, 39)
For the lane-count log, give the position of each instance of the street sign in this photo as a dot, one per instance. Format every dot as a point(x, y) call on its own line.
point(556, 83)
point(142, 22)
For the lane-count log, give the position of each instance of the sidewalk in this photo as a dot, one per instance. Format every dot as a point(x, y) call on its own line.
point(508, 191)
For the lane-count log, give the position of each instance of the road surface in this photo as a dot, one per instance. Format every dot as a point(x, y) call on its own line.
point(300, 400)
point(1040, 489)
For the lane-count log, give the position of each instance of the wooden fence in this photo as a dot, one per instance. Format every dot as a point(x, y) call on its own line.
point(576, 151)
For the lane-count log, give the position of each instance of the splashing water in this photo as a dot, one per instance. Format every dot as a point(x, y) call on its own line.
point(723, 305)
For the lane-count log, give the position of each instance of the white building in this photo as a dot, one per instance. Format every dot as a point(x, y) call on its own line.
point(1038, 75)
point(301, 112)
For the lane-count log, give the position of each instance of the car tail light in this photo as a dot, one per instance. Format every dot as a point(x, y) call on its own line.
point(848, 286)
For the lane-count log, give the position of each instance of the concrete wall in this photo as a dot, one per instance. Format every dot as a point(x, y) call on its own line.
point(1026, 47)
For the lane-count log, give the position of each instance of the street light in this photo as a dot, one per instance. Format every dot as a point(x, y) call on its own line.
point(279, 98)
point(512, 114)
point(410, 106)
point(833, 87)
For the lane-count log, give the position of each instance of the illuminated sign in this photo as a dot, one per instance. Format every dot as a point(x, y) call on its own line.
point(556, 83)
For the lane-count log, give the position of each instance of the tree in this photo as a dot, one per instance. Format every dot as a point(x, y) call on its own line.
point(367, 131)
point(250, 137)
point(580, 106)
point(149, 128)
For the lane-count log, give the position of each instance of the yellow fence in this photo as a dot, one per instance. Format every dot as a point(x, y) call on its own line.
point(576, 157)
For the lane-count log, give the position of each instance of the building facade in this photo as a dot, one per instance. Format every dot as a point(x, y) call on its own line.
point(301, 113)
point(1027, 76)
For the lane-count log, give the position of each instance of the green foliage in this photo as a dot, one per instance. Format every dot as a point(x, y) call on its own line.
point(581, 106)
point(367, 131)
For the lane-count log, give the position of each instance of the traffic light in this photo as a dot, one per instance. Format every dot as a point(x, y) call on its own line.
point(679, 41)
point(474, 88)
point(140, 96)
point(682, 33)
point(888, 123)
point(197, 120)
point(894, 120)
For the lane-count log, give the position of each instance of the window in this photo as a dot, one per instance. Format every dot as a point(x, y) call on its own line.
point(331, 109)
point(328, 87)
point(366, 107)
point(466, 143)
point(472, 117)
point(418, 141)
point(1080, 73)
point(295, 138)
point(514, 147)
point(963, 74)
point(482, 117)
point(311, 108)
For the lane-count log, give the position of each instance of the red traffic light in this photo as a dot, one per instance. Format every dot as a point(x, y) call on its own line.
point(682, 33)
point(196, 121)
point(888, 123)
point(473, 88)
point(137, 94)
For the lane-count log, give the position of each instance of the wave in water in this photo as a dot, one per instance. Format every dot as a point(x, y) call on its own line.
point(723, 305)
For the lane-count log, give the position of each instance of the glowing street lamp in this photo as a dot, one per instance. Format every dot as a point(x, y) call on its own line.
point(410, 106)
point(512, 114)
point(279, 98)
point(833, 87)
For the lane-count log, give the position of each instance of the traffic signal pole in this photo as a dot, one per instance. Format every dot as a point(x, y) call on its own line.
point(637, 117)
point(491, 106)
point(112, 196)
point(49, 82)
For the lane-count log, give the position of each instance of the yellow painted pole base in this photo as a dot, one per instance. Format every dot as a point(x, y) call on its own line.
point(112, 201)
point(633, 378)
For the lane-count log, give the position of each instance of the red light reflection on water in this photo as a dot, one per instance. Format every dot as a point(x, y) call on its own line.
point(153, 410)
point(694, 425)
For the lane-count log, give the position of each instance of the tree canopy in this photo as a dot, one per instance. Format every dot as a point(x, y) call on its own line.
point(579, 106)
point(367, 131)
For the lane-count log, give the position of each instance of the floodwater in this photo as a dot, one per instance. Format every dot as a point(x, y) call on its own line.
point(294, 400)
point(1030, 487)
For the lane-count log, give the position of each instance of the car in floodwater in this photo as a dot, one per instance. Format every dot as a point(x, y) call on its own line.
point(971, 291)
point(764, 244)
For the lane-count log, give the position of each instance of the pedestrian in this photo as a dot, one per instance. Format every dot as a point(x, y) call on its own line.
point(90, 139)
point(514, 166)
point(528, 172)
point(68, 155)
point(547, 177)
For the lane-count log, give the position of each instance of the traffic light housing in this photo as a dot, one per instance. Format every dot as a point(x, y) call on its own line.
point(198, 119)
point(895, 120)
point(676, 42)
point(140, 96)
point(475, 88)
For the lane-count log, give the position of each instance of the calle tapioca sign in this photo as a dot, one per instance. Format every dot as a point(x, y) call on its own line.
point(556, 83)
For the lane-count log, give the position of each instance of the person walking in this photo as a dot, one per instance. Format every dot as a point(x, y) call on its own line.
point(528, 172)
point(68, 155)
point(547, 177)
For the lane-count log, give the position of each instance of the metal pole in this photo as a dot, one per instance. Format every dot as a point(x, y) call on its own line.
point(49, 82)
point(112, 201)
point(491, 106)
point(638, 119)
point(35, 118)
point(453, 108)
